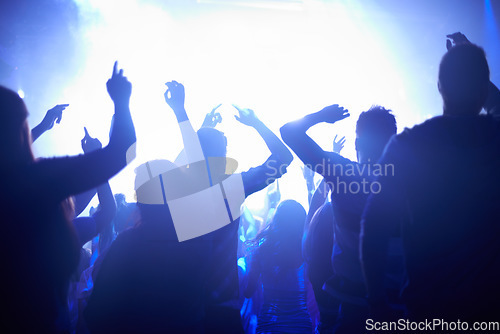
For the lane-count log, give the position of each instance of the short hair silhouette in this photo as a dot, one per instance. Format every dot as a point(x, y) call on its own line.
point(463, 79)
point(374, 128)
point(213, 142)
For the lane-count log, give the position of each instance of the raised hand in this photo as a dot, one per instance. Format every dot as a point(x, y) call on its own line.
point(52, 116)
point(119, 88)
point(333, 113)
point(246, 116)
point(175, 95)
point(308, 174)
point(338, 145)
point(212, 118)
point(90, 144)
point(456, 39)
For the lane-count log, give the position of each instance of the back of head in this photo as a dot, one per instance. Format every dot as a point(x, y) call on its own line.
point(14, 132)
point(374, 128)
point(289, 220)
point(463, 79)
point(213, 142)
point(281, 241)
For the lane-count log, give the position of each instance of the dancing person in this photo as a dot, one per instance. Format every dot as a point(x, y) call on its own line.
point(41, 246)
point(148, 281)
point(350, 184)
point(317, 249)
point(221, 300)
point(277, 261)
point(446, 181)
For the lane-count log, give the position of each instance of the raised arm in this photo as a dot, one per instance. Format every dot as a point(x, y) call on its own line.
point(107, 205)
point(211, 120)
point(279, 151)
point(492, 104)
point(294, 134)
point(275, 166)
point(107, 208)
point(73, 175)
point(82, 200)
point(52, 116)
point(320, 194)
point(175, 97)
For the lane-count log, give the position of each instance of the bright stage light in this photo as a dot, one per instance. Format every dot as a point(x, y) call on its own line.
point(283, 64)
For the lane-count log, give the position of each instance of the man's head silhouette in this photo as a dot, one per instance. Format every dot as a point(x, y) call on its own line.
point(463, 80)
point(213, 142)
point(374, 128)
point(214, 146)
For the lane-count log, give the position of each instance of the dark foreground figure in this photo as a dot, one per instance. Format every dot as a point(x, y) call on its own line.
point(446, 180)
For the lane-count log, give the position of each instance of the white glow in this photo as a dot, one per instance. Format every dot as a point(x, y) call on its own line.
point(283, 64)
point(20, 92)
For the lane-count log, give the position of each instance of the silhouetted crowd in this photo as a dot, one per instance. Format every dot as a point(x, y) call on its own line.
point(406, 234)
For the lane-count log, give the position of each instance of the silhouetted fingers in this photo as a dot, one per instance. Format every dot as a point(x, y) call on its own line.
point(217, 107)
point(170, 85)
point(115, 69)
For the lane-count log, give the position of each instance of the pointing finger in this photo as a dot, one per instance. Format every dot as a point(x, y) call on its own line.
point(115, 69)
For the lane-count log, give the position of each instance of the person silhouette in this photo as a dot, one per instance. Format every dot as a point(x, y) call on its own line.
point(41, 246)
point(443, 197)
point(350, 183)
point(209, 145)
point(277, 261)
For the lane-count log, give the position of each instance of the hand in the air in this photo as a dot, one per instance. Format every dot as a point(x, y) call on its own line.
point(90, 144)
point(119, 88)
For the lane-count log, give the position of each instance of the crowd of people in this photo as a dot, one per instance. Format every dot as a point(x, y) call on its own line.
point(408, 231)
